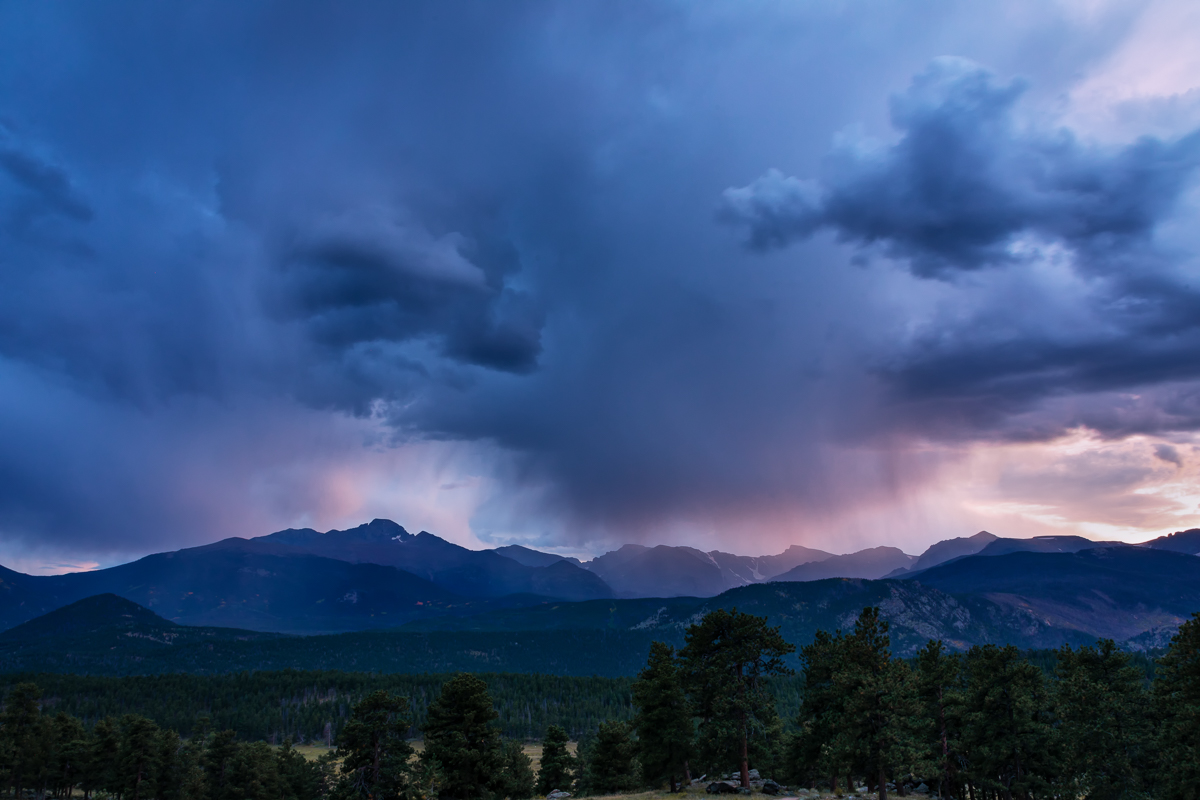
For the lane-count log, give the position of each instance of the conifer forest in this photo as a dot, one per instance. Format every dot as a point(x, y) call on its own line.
point(720, 714)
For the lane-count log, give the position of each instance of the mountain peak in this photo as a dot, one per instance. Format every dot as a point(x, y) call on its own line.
point(377, 530)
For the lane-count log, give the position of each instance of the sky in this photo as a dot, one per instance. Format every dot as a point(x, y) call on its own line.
point(736, 275)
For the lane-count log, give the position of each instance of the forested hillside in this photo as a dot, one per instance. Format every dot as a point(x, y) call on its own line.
point(274, 706)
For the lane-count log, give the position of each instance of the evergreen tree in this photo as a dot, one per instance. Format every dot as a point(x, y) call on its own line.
point(516, 772)
point(608, 764)
point(374, 747)
point(70, 751)
point(255, 774)
point(168, 766)
point(100, 773)
point(937, 681)
point(813, 750)
point(1006, 723)
point(300, 778)
point(137, 776)
point(663, 721)
point(191, 775)
point(880, 706)
point(24, 738)
point(557, 767)
point(1100, 703)
point(725, 659)
point(220, 762)
point(1177, 702)
point(461, 739)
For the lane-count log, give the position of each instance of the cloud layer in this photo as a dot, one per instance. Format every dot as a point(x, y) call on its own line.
point(266, 264)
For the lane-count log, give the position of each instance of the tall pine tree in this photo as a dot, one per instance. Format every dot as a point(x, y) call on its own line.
point(880, 710)
point(1100, 702)
point(726, 657)
point(1007, 723)
point(374, 748)
point(937, 682)
point(813, 750)
point(1177, 703)
point(608, 763)
point(557, 768)
point(462, 741)
point(663, 719)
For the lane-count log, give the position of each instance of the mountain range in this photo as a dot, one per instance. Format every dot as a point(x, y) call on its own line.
point(1032, 599)
point(380, 576)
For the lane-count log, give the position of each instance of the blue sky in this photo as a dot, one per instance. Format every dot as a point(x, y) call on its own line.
point(737, 275)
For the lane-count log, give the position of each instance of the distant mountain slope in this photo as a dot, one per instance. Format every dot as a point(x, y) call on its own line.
point(101, 612)
point(1180, 542)
point(947, 550)
point(871, 564)
point(107, 635)
point(471, 573)
point(664, 571)
point(916, 614)
point(532, 558)
point(1116, 592)
point(1043, 544)
point(260, 591)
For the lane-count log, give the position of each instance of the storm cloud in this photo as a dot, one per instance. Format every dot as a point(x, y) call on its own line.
point(265, 264)
point(969, 186)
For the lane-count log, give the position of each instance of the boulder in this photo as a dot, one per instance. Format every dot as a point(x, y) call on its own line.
point(921, 789)
point(771, 787)
point(721, 787)
point(754, 775)
point(558, 794)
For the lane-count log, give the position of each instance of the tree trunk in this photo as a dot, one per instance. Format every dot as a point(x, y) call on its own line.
point(944, 779)
point(833, 783)
point(882, 783)
point(745, 754)
point(687, 773)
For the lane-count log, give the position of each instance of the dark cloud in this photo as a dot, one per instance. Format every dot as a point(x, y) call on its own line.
point(968, 185)
point(42, 187)
point(368, 279)
point(250, 252)
point(1169, 454)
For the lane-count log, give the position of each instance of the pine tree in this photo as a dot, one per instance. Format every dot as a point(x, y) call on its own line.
point(813, 749)
point(608, 765)
point(138, 758)
point(100, 773)
point(937, 680)
point(1007, 731)
point(1100, 703)
point(168, 766)
point(557, 767)
point(69, 751)
point(461, 739)
point(191, 775)
point(374, 747)
point(725, 659)
point(663, 721)
point(300, 779)
point(1177, 702)
point(516, 780)
point(219, 762)
point(880, 704)
point(24, 737)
